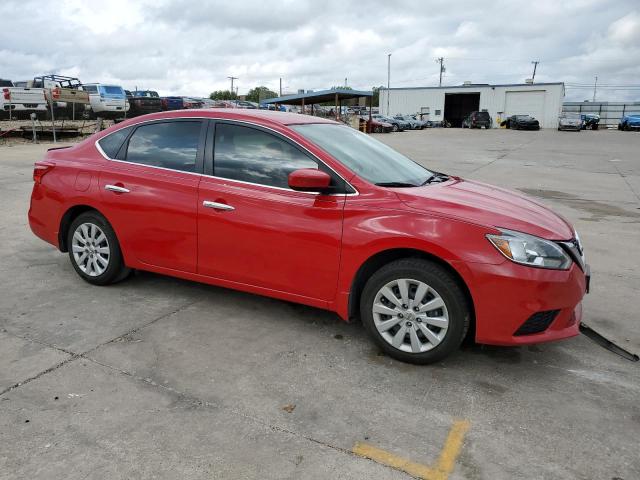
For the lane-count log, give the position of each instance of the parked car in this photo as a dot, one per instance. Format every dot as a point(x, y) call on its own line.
point(590, 121)
point(20, 102)
point(171, 103)
point(375, 125)
point(398, 125)
point(245, 104)
point(477, 120)
point(223, 104)
point(108, 101)
point(522, 122)
point(142, 102)
point(570, 121)
point(413, 123)
point(630, 122)
point(308, 210)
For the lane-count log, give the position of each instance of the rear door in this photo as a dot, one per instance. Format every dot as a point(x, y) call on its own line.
point(150, 189)
point(253, 229)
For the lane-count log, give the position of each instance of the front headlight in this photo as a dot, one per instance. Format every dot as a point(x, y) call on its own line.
point(529, 250)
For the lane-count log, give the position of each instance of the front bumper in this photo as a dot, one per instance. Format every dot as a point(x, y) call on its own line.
point(507, 295)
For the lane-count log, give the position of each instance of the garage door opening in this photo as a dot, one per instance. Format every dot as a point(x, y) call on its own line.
point(459, 105)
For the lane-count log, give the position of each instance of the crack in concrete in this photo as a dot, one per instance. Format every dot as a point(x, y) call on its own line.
point(74, 355)
point(197, 402)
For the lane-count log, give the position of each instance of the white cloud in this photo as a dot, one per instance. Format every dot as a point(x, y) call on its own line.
point(184, 47)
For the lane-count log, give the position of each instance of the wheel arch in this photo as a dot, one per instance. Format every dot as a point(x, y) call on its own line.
point(67, 219)
point(381, 258)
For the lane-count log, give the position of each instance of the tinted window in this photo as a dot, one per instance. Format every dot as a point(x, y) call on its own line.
point(112, 143)
point(171, 145)
point(90, 88)
point(250, 155)
point(111, 90)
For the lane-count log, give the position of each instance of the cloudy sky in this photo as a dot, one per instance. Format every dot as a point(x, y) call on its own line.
point(190, 47)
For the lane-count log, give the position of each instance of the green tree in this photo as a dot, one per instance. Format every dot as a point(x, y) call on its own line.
point(223, 95)
point(375, 101)
point(260, 93)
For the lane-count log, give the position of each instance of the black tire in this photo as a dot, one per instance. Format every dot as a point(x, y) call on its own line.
point(395, 128)
point(116, 270)
point(440, 280)
point(377, 129)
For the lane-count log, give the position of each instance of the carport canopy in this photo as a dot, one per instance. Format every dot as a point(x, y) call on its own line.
point(335, 95)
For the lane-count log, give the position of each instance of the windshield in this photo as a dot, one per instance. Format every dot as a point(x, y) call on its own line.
point(368, 158)
point(572, 116)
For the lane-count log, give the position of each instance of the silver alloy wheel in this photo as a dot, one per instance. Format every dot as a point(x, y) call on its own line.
point(410, 315)
point(90, 249)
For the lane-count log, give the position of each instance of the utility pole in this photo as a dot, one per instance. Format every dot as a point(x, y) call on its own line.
point(232, 79)
point(440, 60)
point(388, 80)
point(345, 81)
point(535, 66)
point(280, 86)
point(595, 87)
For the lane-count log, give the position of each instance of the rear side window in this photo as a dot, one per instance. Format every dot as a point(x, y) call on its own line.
point(171, 145)
point(251, 155)
point(111, 144)
point(90, 88)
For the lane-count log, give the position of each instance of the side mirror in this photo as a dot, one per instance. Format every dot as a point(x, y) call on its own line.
point(309, 180)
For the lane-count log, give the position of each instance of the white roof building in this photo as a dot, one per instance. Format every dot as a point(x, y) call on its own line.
point(540, 100)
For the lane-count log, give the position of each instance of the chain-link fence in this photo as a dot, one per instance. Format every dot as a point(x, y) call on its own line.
point(610, 112)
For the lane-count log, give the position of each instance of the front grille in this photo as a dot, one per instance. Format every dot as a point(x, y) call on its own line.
point(536, 323)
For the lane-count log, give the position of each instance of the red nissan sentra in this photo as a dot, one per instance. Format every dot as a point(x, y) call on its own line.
point(312, 211)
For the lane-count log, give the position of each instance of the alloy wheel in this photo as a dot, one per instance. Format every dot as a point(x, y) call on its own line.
point(410, 315)
point(90, 249)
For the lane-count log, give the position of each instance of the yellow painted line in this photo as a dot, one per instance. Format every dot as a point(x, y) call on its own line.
point(444, 466)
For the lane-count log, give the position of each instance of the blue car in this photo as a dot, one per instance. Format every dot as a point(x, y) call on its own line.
point(630, 122)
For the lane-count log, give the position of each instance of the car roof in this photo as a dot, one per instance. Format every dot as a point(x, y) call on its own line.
point(262, 116)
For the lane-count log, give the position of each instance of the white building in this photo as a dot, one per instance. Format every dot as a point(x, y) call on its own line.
point(540, 100)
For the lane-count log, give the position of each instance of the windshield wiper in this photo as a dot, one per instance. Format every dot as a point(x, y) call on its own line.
point(396, 184)
point(436, 177)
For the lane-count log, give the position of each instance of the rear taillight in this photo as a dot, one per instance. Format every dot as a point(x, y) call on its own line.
point(6, 93)
point(40, 169)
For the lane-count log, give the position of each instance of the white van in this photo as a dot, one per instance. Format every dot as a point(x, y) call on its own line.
point(108, 101)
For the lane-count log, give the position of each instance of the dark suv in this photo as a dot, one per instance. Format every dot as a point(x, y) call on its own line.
point(477, 120)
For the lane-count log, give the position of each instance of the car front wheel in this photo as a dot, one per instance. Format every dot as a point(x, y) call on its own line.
point(94, 250)
point(415, 311)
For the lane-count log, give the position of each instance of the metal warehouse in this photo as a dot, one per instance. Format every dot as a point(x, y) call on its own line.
point(540, 100)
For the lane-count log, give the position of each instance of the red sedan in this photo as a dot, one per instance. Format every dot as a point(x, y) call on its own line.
point(311, 211)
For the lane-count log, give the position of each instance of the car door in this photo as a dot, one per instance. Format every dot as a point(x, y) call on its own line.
point(150, 189)
point(253, 229)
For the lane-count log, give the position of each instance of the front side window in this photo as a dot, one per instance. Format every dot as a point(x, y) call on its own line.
point(251, 155)
point(171, 145)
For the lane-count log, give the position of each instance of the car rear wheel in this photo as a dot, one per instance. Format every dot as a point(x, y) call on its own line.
point(377, 129)
point(415, 311)
point(94, 250)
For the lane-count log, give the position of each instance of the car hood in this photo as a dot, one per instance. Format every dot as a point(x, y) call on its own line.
point(487, 205)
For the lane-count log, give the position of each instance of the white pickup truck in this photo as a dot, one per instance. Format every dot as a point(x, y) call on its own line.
point(19, 102)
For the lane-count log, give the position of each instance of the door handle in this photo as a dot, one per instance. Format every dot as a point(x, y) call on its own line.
point(217, 206)
point(117, 189)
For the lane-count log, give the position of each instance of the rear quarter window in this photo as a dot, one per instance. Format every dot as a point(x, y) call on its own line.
point(90, 88)
point(111, 144)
